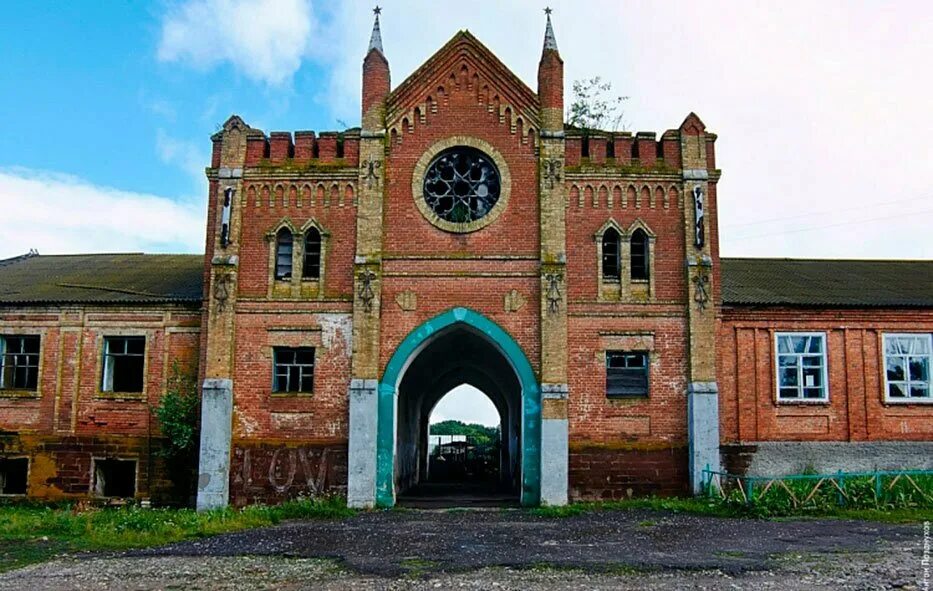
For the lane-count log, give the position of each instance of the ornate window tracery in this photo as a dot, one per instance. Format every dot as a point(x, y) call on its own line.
point(462, 184)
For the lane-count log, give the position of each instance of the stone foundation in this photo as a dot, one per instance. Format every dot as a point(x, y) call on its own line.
point(780, 458)
point(609, 472)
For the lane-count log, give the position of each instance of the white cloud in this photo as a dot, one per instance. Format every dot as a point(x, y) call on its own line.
point(818, 107)
point(186, 155)
point(264, 39)
point(60, 214)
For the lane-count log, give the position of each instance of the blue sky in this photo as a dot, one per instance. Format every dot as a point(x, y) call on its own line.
point(822, 109)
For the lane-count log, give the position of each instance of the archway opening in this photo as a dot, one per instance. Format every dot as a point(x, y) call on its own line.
point(464, 441)
point(463, 360)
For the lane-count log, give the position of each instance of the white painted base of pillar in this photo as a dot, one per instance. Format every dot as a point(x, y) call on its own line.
point(216, 431)
point(702, 431)
point(361, 452)
point(554, 462)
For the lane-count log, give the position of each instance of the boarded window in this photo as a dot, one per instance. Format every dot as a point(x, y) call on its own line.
point(626, 373)
point(19, 362)
point(312, 263)
point(283, 254)
point(612, 270)
point(639, 245)
point(115, 478)
point(294, 369)
point(124, 363)
point(13, 475)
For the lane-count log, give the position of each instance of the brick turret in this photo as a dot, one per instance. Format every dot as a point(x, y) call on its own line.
point(551, 82)
point(376, 81)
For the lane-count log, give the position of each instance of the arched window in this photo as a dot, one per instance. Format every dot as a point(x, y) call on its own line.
point(312, 263)
point(612, 262)
point(639, 245)
point(283, 254)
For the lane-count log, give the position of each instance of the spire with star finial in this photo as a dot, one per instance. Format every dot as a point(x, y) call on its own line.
point(550, 41)
point(375, 40)
point(551, 82)
point(376, 79)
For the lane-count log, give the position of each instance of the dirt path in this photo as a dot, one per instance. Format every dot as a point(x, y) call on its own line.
point(512, 550)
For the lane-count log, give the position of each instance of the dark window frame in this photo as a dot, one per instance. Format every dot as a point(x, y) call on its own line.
point(293, 370)
point(314, 248)
point(612, 256)
point(19, 364)
point(21, 481)
point(106, 487)
point(284, 249)
point(123, 368)
point(628, 374)
point(639, 255)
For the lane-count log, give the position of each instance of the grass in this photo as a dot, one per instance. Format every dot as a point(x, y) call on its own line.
point(718, 508)
point(33, 533)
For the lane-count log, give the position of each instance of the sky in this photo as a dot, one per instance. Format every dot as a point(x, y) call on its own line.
point(822, 108)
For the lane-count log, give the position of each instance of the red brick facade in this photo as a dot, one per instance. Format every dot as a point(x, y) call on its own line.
point(387, 269)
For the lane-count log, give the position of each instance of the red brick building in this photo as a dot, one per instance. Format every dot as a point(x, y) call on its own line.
point(462, 235)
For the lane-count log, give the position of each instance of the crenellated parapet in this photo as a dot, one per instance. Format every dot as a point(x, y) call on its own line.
point(629, 152)
point(303, 150)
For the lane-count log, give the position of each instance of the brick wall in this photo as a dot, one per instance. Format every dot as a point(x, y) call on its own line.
point(67, 421)
point(856, 410)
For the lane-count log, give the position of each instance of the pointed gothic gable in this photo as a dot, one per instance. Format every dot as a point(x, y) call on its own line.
point(463, 64)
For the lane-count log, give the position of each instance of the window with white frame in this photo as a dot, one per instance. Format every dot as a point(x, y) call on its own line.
point(907, 359)
point(19, 362)
point(801, 367)
point(124, 363)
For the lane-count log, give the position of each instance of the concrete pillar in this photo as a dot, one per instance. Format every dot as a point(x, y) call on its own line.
point(702, 430)
point(554, 444)
point(216, 427)
point(361, 469)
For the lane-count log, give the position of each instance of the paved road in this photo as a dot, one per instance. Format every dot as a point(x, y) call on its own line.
point(512, 550)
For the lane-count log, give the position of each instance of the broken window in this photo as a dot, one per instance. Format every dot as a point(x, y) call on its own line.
point(19, 362)
point(294, 369)
point(907, 360)
point(114, 478)
point(13, 475)
point(312, 263)
point(124, 362)
point(801, 366)
point(626, 373)
point(639, 245)
point(612, 262)
point(283, 254)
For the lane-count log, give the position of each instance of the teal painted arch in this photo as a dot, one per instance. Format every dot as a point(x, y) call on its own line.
point(408, 349)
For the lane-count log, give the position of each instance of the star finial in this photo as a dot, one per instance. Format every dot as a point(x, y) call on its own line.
point(550, 42)
point(548, 10)
point(377, 10)
point(375, 41)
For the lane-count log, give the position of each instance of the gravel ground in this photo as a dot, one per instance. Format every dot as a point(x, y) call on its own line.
point(401, 550)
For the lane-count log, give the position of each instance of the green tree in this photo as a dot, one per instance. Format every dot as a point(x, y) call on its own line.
point(595, 108)
point(478, 434)
point(178, 414)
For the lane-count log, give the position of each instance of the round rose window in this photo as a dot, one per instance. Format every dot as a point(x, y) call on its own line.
point(461, 185)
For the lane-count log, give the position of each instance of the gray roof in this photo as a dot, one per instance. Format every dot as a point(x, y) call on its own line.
point(102, 279)
point(827, 283)
point(166, 278)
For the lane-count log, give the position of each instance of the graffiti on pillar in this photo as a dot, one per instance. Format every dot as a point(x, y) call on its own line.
point(285, 471)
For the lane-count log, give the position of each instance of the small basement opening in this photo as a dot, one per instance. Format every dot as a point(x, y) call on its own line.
point(115, 478)
point(13, 475)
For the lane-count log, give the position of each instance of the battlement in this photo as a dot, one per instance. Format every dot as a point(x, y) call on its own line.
point(625, 149)
point(305, 148)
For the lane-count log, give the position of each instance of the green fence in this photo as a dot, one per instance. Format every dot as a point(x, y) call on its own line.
point(858, 490)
